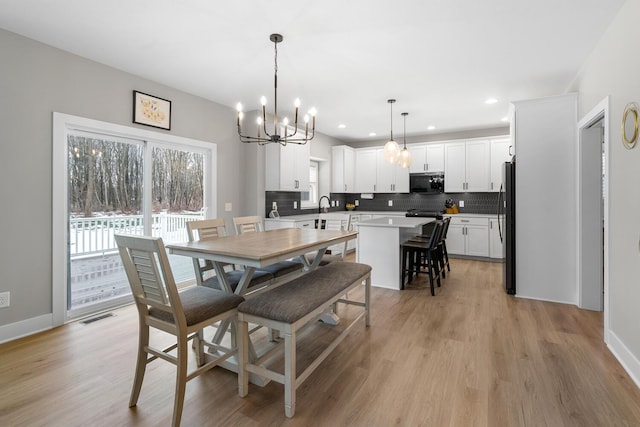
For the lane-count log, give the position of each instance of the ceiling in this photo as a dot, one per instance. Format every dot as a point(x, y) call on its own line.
point(441, 59)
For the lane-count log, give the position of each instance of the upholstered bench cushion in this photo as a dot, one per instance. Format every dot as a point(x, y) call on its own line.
point(301, 296)
point(283, 267)
point(233, 278)
point(200, 303)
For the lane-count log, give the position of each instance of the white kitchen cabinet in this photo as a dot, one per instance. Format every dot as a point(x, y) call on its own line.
point(287, 167)
point(468, 236)
point(496, 247)
point(374, 175)
point(426, 158)
point(273, 224)
point(365, 180)
point(500, 153)
point(467, 166)
point(343, 163)
point(390, 177)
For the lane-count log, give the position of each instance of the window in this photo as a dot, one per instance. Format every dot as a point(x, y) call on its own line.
point(309, 199)
point(111, 178)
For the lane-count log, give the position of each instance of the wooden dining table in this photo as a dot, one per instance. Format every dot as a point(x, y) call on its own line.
point(255, 250)
point(260, 249)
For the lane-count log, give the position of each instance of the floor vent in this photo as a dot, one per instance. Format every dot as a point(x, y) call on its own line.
point(95, 319)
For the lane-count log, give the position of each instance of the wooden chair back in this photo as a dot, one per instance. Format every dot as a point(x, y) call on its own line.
point(248, 224)
point(205, 229)
point(152, 283)
point(336, 221)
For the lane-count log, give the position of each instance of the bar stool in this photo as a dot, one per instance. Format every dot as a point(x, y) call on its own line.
point(416, 255)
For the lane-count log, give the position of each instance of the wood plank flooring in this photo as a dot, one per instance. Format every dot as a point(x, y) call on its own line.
point(470, 356)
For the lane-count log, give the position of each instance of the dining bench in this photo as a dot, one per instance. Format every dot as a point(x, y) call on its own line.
point(289, 308)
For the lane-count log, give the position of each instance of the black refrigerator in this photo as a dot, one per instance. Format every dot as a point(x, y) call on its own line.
point(507, 206)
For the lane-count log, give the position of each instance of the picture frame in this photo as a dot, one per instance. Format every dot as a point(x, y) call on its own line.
point(151, 111)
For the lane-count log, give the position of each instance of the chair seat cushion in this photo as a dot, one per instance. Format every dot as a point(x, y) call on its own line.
point(200, 303)
point(301, 296)
point(283, 267)
point(233, 277)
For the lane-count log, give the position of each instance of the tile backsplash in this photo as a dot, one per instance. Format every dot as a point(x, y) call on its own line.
point(481, 203)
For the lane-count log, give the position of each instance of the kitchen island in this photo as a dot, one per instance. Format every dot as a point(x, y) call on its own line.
point(379, 241)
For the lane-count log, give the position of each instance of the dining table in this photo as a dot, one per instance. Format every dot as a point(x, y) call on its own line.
point(256, 250)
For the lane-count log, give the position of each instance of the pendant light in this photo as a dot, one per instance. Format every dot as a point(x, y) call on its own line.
point(404, 157)
point(391, 148)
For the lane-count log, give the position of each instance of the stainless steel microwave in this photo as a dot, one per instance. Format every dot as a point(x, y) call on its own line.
point(429, 183)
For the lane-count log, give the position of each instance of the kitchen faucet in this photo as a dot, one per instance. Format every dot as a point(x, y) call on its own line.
point(326, 209)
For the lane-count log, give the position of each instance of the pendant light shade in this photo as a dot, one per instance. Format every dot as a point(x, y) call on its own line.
point(404, 156)
point(391, 148)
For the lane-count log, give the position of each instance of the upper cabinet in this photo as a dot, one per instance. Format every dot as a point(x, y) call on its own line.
point(467, 166)
point(390, 177)
point(377, 176)
point(366, 166)
point(343, 164)
point(426, 158)
point(500, 153)
point(287, 167)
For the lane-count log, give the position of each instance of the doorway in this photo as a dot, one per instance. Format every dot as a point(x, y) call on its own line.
point(593, 202)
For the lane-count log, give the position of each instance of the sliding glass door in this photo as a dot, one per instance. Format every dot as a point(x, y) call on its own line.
point(124, 184)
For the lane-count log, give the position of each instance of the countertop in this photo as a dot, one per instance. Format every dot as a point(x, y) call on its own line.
point(312, 216)
point(395, 222)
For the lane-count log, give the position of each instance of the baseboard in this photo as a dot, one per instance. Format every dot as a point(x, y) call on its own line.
point(629, 362)
point(26, 327)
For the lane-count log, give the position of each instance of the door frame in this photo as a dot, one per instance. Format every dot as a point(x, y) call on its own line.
point(599, 112)
point(62, 125)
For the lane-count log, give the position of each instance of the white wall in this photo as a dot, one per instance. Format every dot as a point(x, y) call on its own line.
point(614, 69)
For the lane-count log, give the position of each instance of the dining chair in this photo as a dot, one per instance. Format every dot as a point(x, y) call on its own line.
point(182, 314)
point(255, 224)
point(332, 221)
point(208, 229)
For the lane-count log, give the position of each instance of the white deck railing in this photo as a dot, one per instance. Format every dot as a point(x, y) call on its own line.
point(88, 236)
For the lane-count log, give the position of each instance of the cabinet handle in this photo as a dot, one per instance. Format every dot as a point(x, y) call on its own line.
point(345, 188)
point(426, 166)
point(492, 185)
point(510, 150)
point(374, 187)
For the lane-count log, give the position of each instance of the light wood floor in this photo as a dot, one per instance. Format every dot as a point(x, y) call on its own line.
point(470, 356)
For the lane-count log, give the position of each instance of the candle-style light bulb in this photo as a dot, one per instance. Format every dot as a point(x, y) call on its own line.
point(263, 101)
point(296, 103)
point(239, 107)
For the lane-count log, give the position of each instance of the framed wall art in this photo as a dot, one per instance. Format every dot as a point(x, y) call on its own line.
point(150, 110)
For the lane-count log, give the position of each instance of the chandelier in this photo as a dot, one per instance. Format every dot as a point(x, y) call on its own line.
point(404, 155)
point(391, 148)
point(282, 133)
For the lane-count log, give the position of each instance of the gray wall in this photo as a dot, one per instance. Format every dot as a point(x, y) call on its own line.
point(37, 80)
point(614, 69)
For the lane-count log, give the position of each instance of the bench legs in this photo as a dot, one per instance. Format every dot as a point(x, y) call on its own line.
point(242, 333)
point(290, 374)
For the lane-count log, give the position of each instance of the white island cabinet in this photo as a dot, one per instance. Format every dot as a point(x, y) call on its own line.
point(379, 241)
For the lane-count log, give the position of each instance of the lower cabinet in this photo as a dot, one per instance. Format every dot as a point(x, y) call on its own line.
point(468, 236)
point(496, 246)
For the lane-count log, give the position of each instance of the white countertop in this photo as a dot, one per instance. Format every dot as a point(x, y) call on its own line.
point(312, 216)
point(396, 222)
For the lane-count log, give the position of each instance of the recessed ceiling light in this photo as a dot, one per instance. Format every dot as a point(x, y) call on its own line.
point(491, 101)
point(505, 119)
point(372, 134)
point(432, 127)
point(342, 126)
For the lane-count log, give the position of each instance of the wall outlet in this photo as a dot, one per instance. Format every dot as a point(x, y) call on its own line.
point(333, 203)
point(295, 205)
point(337, 202)
point(228, 207)
point(5, 299)
point(461, 203)
point(274, 206)
point(357, 202)
point(390, 203)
